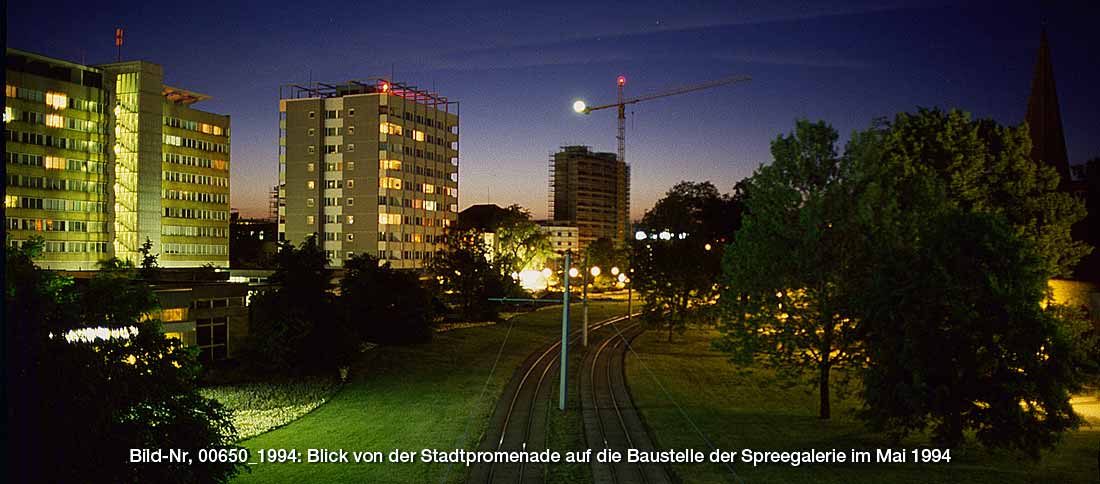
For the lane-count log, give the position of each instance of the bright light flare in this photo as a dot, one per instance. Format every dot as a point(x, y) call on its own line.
point(579, 106)
point(614, 270)
point(573, 272)
point(595, 270)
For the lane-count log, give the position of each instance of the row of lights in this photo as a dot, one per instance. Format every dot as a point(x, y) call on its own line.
point(663, 235)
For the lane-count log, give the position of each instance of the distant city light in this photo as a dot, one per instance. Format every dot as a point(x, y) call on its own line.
point(666, 235)
point(707, 247)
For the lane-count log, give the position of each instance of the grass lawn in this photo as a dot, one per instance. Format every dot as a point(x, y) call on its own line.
point(411, 398)
point(737, 411)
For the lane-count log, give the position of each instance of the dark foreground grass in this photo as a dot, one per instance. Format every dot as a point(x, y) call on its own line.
point(412, 398)
point(737, 411)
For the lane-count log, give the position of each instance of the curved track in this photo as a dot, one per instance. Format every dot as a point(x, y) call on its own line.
point(517, 422)
point(610, 418)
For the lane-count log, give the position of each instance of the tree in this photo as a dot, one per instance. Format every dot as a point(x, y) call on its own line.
point(961, 232)
point(987, 168)
point(384, 305)
point(784, 273)
point(96, 379)
point(963, 343)
point(677, 276)
point(467, 278)
point(295, 326)
point(520, 243)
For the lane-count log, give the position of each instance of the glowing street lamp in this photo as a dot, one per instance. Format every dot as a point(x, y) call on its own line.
point(595, 271)
point(622, 278)
point(573, 272)
point(614, 270)
point(580, 107)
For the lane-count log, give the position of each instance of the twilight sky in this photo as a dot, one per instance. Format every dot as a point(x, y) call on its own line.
point(517, 68)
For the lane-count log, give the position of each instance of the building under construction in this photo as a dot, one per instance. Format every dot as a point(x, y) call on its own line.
point(591, 191)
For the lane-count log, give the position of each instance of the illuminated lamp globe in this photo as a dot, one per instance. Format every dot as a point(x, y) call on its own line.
point(622, 278)
point(579, 106)
point(573, 272)
point(639, 235)
point(614, 270)
point(595, 270)
point(546, 272)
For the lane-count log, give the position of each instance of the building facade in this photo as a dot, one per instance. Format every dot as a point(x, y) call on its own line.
point(369, 167)
point(590, 191)
point(102, 158)
point(562, 236)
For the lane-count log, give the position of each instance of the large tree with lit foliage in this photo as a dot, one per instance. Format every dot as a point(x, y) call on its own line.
point(89, 378)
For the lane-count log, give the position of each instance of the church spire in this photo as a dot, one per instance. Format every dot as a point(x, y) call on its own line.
point(1048, 143)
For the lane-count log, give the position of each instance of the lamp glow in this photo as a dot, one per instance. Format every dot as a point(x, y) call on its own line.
point(579, 106)
point(595, 270)
point(573, 272)
point(639, 235)
point(622, 278)
point(614, 270)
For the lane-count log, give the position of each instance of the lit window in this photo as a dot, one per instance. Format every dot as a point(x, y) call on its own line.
point(351, 219)
point(57, 100)
point(218, 131)
point(310, 202)
point(55, 121)
point(7, 114)
point(390, 128)
point(310, 167)
point(429, 188)
point(54, 163)
point(390, 182)
point(10, 90)
point(311, 185)
point(418, 135)
point(394, 165)
point(11, 201)
point(389, 219)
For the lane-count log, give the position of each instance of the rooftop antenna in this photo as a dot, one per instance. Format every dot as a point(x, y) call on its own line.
point(118, 42)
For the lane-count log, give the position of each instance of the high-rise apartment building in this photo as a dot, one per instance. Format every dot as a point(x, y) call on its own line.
point(591, 191)
point(369, 167)
point(102, 158)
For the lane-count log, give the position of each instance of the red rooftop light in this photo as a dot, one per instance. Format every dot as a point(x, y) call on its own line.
point(622, 80)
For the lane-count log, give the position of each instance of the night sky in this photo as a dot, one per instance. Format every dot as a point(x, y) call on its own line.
point(516, 69)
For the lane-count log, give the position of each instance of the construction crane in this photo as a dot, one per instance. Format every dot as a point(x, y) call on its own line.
point(582, 108)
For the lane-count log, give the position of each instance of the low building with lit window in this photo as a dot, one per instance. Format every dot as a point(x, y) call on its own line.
point(563, 236)
point(368, 167)
point(102, 158)
point(200, 307)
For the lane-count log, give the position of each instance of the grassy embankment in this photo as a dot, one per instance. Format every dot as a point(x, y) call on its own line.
point(738, 411)
point(411, 398)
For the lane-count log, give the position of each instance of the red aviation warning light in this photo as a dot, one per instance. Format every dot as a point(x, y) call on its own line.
point(385, 87)
point(118, 37)
point(622, 80)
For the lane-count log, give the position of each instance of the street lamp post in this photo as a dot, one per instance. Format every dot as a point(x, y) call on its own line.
point(564, 337)
point(584, 304)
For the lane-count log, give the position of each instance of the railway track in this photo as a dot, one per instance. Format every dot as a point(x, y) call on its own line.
point(610, 419)
point(517, 423)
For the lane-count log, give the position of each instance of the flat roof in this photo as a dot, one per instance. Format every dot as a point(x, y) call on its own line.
point(182, 96)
